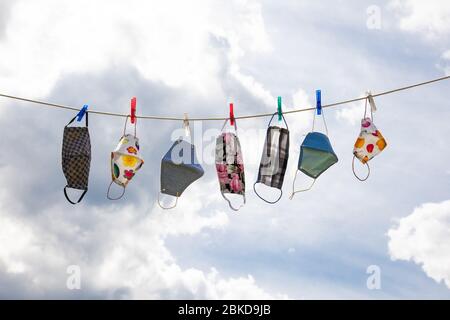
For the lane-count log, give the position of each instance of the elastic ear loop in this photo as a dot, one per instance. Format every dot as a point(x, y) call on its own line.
point(85, 119)
point(71, 120)
point(167, 208)
point(302, 190)
point(125, 127)
point(109, 188)
point(353, 169)
point(79, 199)
point(271, 202)
point(365, 110)
point(225, 123)
point(324, 122)
point(231, 206)
point(285, 123)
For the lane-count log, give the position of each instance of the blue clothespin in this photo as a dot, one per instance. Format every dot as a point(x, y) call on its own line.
point(280, 113)
point(319, 102)
point(80, 114)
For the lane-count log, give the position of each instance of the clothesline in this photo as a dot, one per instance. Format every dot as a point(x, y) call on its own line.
point(150, 117)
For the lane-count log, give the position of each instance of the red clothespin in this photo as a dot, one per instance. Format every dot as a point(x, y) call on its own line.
point(133, 110)
point(231, 114)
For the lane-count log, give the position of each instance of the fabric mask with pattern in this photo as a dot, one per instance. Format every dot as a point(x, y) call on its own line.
point(230, 165)
point(126, 160)
point(370, 141)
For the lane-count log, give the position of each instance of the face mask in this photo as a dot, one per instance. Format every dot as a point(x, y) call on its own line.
point(179, 169)
point(230, 165)
point(369, 144)
point(274, 159)
point(125, 161)
point(316, 156)
point(76, 158)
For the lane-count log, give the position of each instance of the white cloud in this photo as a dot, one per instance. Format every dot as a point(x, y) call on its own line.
point(166, 41)
point(243, 288)
point(446, 58)
point(353, 112)
point(130, 259)
point(253, 86)
point(424, 237)
point(301, 99)
point(430, 18)
point(446, 55)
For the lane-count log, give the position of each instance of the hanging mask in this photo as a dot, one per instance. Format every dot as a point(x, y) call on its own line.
point(316, 156)
point(230, 165)
point(369, 143)
point(179, 169)
point(76, 158)
point(125, 161)
point(274, 159)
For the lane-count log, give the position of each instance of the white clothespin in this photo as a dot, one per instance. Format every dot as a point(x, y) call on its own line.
point(186, 127)
point(373, 107)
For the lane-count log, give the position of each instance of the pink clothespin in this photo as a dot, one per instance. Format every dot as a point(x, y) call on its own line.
point(133, 110)
point(231, 115)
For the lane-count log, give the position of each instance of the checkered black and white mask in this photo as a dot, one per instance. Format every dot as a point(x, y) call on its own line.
point(274, 159)
point(76, 158)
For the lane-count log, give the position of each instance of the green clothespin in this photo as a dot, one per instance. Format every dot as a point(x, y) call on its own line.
point(280, 113)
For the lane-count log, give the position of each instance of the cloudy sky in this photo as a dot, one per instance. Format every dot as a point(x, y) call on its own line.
point(195, 57)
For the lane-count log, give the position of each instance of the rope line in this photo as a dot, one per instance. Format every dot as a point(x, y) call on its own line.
point(150, 117)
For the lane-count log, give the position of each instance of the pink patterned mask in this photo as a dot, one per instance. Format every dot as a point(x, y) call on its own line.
point(230, 166)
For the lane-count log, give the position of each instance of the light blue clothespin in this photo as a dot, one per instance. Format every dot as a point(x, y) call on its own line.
point(319, 102)
point(82, 112)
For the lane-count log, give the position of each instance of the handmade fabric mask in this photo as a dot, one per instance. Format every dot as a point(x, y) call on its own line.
point(274, 159)
point(179, 169)
point(369, 144)
point(76, 158)
point(125, 161)
point(316, 156)
point(230, 165)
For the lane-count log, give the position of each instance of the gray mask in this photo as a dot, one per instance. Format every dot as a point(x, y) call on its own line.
point(179, 169)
